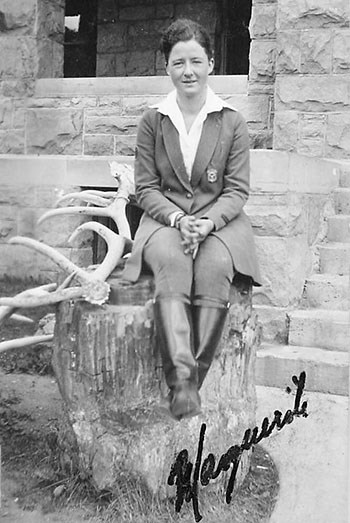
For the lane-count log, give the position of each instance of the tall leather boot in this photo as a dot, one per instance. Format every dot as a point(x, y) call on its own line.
point(172, 315)
point(209, 317)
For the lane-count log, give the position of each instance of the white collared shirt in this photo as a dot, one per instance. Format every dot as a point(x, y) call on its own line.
point(189, 140)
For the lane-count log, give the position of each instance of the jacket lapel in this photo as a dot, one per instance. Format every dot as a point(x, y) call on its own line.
point(172, 147)
point(206, 147)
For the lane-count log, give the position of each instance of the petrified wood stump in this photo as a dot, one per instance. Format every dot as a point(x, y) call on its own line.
point(109, 373)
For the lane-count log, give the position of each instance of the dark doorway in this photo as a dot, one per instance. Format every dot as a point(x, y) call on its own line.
point(80, 38)
point(233, 38)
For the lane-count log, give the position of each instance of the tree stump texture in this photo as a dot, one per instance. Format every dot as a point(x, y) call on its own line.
point(109, 373)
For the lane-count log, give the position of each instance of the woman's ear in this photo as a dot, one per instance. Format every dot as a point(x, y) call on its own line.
point(211, 65)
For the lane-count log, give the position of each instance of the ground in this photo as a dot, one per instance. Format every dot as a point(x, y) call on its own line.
point(40, 483)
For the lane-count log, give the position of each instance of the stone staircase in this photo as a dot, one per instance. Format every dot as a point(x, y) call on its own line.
point(319, 331)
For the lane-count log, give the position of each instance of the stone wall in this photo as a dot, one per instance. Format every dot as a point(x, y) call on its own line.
point(100, 116)
point(129, 32)
point(312, 94)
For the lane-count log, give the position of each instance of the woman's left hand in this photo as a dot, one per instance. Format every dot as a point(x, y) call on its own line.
point(203, 227)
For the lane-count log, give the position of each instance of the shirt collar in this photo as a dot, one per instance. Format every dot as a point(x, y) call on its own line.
point(212, 104)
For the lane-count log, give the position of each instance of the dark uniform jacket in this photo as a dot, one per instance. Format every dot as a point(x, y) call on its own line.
point(218, 189)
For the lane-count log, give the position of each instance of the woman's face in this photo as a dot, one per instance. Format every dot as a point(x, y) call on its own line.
point(189, 67)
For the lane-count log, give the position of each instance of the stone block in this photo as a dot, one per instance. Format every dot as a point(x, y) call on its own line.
point(105, 65)
point(316, 52)
point(46, 196)
point(141, 63)
point(19, 115)
point(257, 111)
point(50, 20)
point(12, 141)
point(312, 14)
point(50, 58)
point(262, 60)
point(125, 145)
point(274, 220)
point(341, 52)
point(111, 123)
point(21, 88)
point(17, 261)
point(109, 102)
point(111, 37)
point(263, 21)
point(274, 321)
point(15, 195)
point(98, 144)
point(107, 11)
point(54, 131)
point(18, 57)
point(120, 63)
point(160, 64)
point(18, 17)
point(288, 52)
point(338, 135)
point(6, 114)
point(137, 105)
point(313, 147)
point(286, 128)
point(139, 12)
point(260, 139)
point(285, 263)
point(312, 126)
point(341, 198)
point(312, 93)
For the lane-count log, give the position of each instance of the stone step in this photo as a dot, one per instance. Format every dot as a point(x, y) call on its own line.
point(341, 198)
point(326, 329)
point(339, 228)
point(326, 371)
point(335, 258)
point(327, 291)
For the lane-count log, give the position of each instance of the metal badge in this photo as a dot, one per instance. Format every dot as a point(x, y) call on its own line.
point(212, 174)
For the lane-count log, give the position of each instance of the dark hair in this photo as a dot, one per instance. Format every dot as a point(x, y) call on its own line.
point(183, 30)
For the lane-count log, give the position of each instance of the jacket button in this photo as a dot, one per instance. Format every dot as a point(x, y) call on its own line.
point(188, 195)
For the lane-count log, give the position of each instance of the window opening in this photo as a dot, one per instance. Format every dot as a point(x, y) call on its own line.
point(233, 38)
point(80, 38)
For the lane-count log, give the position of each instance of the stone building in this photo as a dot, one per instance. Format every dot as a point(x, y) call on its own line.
point(71, 97)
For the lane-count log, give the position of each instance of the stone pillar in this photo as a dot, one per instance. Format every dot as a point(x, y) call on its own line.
point(312, 78)
point(262, 71)
point(31, 46)
point(109, 373)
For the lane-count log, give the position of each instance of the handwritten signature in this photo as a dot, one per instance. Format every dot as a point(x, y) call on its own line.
point(181, 469)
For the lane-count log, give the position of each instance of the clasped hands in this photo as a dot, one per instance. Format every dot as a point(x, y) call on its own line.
point(193, 231)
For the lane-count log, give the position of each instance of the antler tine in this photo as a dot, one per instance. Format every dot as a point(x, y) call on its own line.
point(19, 302)
point(21, 318)
point(50, 252)
point(116, 211)
point(116, 246)
point(42, 290)
point(24, 342)
point(85, 196)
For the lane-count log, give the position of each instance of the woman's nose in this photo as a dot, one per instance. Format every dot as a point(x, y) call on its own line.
point(188, 69)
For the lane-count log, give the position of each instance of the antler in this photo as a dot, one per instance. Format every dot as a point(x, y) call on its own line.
point(123, 173)
point(24, 342)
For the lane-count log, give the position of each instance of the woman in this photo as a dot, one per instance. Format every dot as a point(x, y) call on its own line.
point(192, 180)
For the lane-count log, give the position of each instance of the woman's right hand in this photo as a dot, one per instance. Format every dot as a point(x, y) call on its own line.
point(189, 236)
